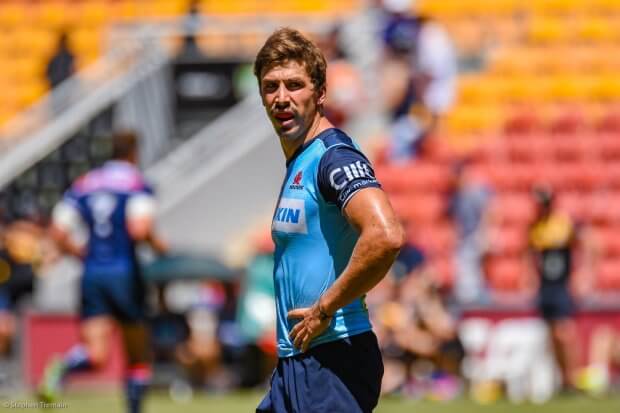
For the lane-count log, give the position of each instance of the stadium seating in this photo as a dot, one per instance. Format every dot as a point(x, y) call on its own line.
point(543, 110)
point(30, 30)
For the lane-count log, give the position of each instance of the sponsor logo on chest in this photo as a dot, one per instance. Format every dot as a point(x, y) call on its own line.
point(290, 216)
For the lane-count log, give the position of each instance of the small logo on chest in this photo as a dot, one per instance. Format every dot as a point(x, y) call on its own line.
point(297, 182)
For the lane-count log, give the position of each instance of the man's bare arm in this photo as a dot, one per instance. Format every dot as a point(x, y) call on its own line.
point(381, 238)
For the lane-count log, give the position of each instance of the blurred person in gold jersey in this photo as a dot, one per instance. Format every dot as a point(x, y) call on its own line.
point(552, 244)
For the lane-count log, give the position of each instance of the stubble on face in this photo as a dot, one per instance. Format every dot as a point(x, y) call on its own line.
point(290, 100)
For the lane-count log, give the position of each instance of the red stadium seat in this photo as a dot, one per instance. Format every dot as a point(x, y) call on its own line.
point(607, 241)
point(437, 239)
point(610, 123)
point(528, 148)
point(417, 208)
point(513, 209)
point(569, 148)
point(415, 177)
point(506, 274)
point(611, 175)
point(610, 147)
point(603, 210)
point(608, 275)
point(573, 204)
point(511, 177)
point(521, 122)
point(508, 240)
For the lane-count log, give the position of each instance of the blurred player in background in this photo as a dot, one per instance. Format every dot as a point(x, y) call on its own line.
point(336, 236)
point(19, 250)
point(552, 239)
point(113, 209)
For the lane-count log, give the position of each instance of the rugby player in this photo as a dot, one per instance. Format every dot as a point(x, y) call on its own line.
point(114, 207)
point(336, 236)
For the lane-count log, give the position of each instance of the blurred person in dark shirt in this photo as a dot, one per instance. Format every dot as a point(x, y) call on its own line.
point(191, 25)
point(417, 333)
point(18, 254)
point(552, 243)
point(419, 75)
point(62, 64)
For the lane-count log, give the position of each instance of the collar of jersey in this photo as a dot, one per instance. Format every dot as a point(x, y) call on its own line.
point(310, 142)
point(118, 163)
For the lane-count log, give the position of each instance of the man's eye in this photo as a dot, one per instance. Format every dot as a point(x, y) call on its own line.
point(269, 87)
point(295, 85)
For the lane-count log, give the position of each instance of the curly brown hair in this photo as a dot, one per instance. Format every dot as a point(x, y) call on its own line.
point(286, 44)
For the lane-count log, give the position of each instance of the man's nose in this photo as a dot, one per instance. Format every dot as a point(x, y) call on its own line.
point(282, 97)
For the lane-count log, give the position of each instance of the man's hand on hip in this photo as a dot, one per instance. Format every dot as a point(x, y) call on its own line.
point(312, 323)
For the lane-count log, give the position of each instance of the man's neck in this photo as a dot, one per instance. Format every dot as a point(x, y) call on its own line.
point(319, 125)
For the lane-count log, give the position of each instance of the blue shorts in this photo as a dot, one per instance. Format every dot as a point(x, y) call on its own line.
point(6, 304)
point(118, 295)
point(342, 376)
point(555, 303)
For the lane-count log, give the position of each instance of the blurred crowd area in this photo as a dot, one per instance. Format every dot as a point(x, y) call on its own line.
point(500, 153)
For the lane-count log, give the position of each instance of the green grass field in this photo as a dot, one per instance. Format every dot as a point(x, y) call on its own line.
point(246, 402)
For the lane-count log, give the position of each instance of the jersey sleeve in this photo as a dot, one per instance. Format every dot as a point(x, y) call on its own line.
point(141, 206)
point(343, 171)
point(68, 216)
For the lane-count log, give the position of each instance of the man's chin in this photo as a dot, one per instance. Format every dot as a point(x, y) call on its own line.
point(289, 134)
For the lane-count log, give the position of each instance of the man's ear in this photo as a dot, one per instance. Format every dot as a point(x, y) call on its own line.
point(321, 96)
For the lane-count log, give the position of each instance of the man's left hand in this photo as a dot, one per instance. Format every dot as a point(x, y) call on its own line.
point(310, 326)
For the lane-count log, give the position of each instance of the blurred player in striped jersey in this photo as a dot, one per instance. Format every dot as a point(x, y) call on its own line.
point(113, 209)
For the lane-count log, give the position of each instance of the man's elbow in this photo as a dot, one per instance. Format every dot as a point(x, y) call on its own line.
point(394, 238)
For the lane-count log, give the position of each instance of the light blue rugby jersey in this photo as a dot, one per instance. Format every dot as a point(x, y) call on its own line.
point(313, 239)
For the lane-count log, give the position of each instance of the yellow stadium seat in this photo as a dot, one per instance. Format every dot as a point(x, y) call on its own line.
point(86, 58)
point(124, 10)
point(545, 31)
point(31, 92)
point(606, 6)
point(557, 60)
point(505, 30)
point(85, 41)
point(598, 31)
point(444, 8)
point(55, 15)
point(480, 89)
point(25, 68)
point(515, 61)
point(571, 88)
point(607, 88)
point(33, 42)
point(467, 34)
point(555, 7)
point(94, 13)
point(167, 8)
point(233, 7)
point(524, 89)
point(498, 7)
point(469, 119)
point(603, 59)
point(13, 14)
